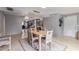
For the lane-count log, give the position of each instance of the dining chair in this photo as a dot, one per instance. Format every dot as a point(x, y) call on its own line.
point(48, 40)
point(24, 34)
point(34, 38)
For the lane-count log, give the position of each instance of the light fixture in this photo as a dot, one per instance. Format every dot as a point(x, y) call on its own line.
point(26, 17)
point(43, 7)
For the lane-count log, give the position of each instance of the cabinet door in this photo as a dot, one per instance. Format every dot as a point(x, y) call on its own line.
point(70, 23)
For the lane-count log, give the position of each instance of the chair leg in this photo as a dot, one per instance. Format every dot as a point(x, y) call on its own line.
point(9, 43)
point(45, 46)
point(32, 44)
point(51, 46)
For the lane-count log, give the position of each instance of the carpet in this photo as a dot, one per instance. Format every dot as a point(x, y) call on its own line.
point(55, 46)
point(58, 47)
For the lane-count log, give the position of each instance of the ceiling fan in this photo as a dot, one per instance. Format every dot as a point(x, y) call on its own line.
point(9, 9)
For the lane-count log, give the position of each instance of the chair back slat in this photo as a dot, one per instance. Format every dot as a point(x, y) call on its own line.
point(49, 35)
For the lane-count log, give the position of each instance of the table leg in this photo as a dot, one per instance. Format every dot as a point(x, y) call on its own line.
point(40, 43)
point(9, 43)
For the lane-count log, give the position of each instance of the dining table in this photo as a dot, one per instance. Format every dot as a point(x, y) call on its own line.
point(40, 33)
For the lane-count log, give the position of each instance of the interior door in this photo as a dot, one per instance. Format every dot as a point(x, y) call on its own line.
point(70, 23)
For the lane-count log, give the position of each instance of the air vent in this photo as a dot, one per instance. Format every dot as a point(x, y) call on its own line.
point(9, 8)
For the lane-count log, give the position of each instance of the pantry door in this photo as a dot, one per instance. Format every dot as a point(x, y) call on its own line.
point(70, 23)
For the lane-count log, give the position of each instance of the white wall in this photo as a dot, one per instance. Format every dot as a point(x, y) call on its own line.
point(13, 23)
point(70, 25)
point(78, 22)
point(2, 22)
point(52, 23)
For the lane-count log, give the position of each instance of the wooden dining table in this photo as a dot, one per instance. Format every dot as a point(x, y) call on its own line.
point(40, 34)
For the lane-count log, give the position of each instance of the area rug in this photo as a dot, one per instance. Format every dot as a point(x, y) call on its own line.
point(58, 47)
point(25, 45)
point(55, 46)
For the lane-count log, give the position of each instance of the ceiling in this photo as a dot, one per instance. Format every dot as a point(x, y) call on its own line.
point(22, 11)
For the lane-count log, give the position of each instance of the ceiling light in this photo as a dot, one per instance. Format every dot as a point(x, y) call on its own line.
point(26, 17)
point(43, 7)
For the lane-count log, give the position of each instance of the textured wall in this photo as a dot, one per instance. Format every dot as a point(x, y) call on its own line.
point(52, 23)
point(13, 23)
point(70, 25)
